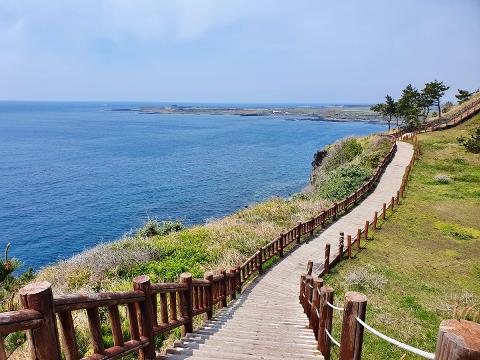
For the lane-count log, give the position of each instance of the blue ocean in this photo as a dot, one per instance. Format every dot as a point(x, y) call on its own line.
point(74, 174)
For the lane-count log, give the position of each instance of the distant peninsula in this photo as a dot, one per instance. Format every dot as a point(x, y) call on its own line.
point(313, 113)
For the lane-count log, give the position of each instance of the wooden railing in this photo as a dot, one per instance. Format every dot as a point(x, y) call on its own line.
point(457, 339)
point(466, 113)
point(136, 317)
point(147, 311)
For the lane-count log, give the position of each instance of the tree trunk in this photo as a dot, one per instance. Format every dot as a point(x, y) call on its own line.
point(439, 110)
point(389, 122)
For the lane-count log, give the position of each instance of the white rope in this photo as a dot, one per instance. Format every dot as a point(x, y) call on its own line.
point(422, 353)
point(318, 314)
point(331, 338)
point(335, 307)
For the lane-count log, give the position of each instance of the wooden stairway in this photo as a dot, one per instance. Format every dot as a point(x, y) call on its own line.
point(255, 326)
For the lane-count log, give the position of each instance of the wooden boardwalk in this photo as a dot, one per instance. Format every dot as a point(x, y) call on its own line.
point(267, 321)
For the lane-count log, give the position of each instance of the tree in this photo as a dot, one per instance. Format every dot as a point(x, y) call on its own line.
point(409, 107)
point(425, 101)
point(471, 144)
point(435, 90)
point(463, 95)
point(388, 109)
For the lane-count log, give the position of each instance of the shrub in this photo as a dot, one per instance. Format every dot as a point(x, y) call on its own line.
point(153, 228)
point(341, 153)
point(471, 144)
point(342, 182)
point(443, 179)
point(11, 280)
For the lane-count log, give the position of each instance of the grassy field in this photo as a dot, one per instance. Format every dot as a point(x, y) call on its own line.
point(423, 265)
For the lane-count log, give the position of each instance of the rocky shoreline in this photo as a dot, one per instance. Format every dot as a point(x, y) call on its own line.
point(354, 113)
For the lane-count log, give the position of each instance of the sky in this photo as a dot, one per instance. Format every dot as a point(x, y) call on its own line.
point(298, 51)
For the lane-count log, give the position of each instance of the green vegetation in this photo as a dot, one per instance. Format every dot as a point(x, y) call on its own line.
point(423, 265)
point(414, 106)
point(471, 144)
point(463, 95)
point(347, 165)
point(387, 109)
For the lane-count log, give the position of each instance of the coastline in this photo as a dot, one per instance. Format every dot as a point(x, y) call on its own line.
point(327, 113)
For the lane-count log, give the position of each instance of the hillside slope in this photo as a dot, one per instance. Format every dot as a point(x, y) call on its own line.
point(423, 265)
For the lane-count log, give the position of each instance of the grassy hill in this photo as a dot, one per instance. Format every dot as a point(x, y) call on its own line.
point(423, 265)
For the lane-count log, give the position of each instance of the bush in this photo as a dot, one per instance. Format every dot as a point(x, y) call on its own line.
point(11, 281)
point(471, 144)
point(341, 153)
point(342, 182)
point(153, 228)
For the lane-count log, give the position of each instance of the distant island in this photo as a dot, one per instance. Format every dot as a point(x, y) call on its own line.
point(314, 113)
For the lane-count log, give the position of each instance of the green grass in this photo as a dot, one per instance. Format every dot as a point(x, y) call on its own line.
point(427, 252)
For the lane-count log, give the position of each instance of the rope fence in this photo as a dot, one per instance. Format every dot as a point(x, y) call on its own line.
point(332, 338)
point(401, 345)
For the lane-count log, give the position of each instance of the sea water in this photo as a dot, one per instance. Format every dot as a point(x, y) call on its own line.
point(75, 174)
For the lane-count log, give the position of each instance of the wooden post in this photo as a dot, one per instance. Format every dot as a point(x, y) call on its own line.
point(393, 201)
point(397, 199)
point(335, 210)
point(384, 211)
point(233, 283)
point(458, 340)
point(312, 227)
point(326, 261)
point(238, 277)
point(359, 237)
point(325, 321)
point(367, 225)
point(375, 218)
point(309, 267)
point(298, 232)
point(308, 293)
point(352, 332)
point(142, 283)
point(317, 284)
point(186, 278)
point(223, 287)
point(281, 240)
point(349, 246)
point(301, 295)
point(341, 245)
point(42, 341)
point(260, 260)
point(209, 276)
point(323, 219)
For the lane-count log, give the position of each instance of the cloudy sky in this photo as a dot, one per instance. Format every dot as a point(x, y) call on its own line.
point(235, 50)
